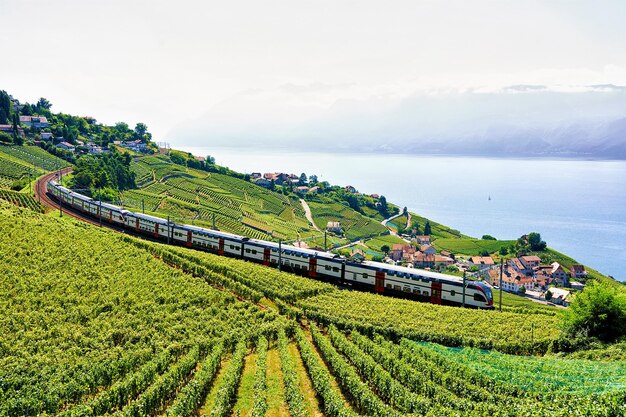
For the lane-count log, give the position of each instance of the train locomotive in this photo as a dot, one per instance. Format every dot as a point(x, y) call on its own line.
point(379, 277)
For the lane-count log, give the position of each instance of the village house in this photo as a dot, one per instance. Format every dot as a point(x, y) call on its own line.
point(482, 261)
point(357, 255)
point(9, 129)
point(422, 260)
point(448, 254)
point(443, 260)
point(314, 190)
point(46, 135)
point(517, 265)
point(333, 227)
point(578, 271)
point(428, 249)
point(559, 274)
point(263, 182)
point(560, 296)
point(350, 189)
point(67, 146)
point(255, 175)
point(34, 121)
point(200, 158)
point(303, 189)
point(376, 196)
point(577, 286)
point(279, 178)
point(530, 261)
point(422, 240)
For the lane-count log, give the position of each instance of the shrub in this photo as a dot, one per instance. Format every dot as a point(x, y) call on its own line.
point(599, 311)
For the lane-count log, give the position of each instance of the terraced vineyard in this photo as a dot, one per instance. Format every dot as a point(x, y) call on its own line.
point(35, 156)
point(12, 169)
point(235, 205)
point(134, 328)
point(353, 224)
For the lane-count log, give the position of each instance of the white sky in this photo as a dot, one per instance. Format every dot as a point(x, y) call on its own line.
point(168, 62)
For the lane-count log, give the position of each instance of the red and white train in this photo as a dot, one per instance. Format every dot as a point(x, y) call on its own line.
point(382, 278)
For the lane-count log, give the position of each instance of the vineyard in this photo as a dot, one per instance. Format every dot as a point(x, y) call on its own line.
point(353, 224)
point(98, 323)
point(21, 200)
point(232, 204)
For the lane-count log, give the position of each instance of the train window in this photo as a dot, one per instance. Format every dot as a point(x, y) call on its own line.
point(335, 269)
point(406, 289)
point(453, 293)
point(365, 275)
point(354, 276)
point(388, 285)
point(254, 252)
point(416, 291)
point(247, 250)
point(425, 293)
point(304, 268)
point(397, 287)
point(479, 297)
point(327, 267)
point(231, 246)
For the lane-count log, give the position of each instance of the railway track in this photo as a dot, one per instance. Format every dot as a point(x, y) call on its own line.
point(42, 194)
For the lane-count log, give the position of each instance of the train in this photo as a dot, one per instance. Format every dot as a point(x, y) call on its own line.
point(382, 278)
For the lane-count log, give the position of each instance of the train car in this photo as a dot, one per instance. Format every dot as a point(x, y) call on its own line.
point(215, 241)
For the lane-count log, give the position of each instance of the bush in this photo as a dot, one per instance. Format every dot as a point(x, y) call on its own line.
point(599, 311)
point(488, 237)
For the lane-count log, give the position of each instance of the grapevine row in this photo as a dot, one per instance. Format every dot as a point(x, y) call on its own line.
point(294, 397)
point(228, 388)
point(349, 379)
point(259, 407)
point(321, 379)
point(192, 394)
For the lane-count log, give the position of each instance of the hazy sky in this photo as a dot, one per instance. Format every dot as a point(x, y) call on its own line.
point(169, 62)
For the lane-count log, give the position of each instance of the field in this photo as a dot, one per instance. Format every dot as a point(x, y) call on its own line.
point(98, 323)
point(471, 247)
point(21, 200)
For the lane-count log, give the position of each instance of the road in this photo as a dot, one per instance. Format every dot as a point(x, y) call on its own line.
point(391, 231)
point(309, 216)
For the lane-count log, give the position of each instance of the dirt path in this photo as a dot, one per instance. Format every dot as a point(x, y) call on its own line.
point(309, 216)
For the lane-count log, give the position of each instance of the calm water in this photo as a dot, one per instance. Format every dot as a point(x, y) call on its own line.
point(579, 207)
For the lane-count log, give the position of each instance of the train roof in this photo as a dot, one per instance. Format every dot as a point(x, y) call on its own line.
point(209, 231)
point(154, 219)
point(295, 249)
point(414, 272)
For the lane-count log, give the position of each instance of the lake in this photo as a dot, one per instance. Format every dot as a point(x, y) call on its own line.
point(579, 207)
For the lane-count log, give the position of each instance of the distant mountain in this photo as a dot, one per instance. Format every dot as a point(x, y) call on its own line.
point(519, 120)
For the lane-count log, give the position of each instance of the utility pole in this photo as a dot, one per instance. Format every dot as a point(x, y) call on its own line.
point(280, 253)
point(168, 230)
point(325, 246)
point(100, 209)
point(501, 266)
point(143, 209)
point(214, 221)
point(464, 281)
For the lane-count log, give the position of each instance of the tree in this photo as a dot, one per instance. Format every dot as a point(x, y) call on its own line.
point(484, 253)
point(272, 185)
point(313, 180)
point(599, 311)
point(385, 249)
point(5, 107)
point(140, 130)
point(427, 230)
point(548, 295)
point(43, 103)
point(383, 207)
point(503, 251)
point(303, 179)
point(535, 242)
point(488, 237)
point(522, 289)
point(405, 211)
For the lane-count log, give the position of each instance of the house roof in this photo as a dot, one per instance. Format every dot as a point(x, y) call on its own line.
point(69, 145)
point(577, 268)
point(331, 225)
point(530, 258)
point(482, 260)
